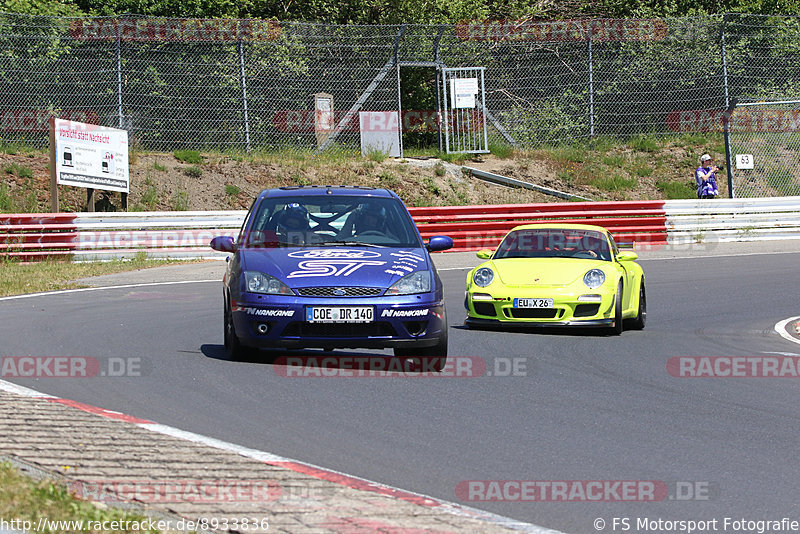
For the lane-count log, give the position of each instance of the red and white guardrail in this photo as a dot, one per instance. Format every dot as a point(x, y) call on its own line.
point(186, 234)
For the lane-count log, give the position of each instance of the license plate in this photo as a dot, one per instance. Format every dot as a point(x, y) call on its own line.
point(533, 303)
point(340, 314)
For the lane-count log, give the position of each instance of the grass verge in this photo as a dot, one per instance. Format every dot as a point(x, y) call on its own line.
point(27, 500)
point(21, 278)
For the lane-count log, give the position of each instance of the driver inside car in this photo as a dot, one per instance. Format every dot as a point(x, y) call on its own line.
point(292, 223)
point(363, 220)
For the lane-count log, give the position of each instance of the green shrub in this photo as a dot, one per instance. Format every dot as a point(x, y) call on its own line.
point(644, 143)
point(232, 190)
point(614, 183)
point(501, 150)
point(377, 155)
point(193, 171)
point(179, 201)
point(188, 156)
point(676, 189)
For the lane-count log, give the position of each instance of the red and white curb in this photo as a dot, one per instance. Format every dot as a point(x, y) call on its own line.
point(321, 473)
point(783, 327)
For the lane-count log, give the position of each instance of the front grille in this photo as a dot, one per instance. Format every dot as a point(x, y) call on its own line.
point(533, 313)
point(484, 308)
point(377, 329)
point(586, 310)
point(332, 291)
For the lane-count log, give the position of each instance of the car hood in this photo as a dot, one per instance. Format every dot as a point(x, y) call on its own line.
point(544, 271)
point(340, 266)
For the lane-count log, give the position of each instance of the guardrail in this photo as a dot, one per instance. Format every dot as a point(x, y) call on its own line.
point(102, 236)
point(750, 219)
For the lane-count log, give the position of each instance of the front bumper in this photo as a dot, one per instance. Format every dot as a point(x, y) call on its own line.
point(274, 321)
point(592, 323)
point(589, 308)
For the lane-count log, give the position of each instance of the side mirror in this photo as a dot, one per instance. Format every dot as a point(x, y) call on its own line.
point(439, 242)
point(627, 256)
point(223, 243)
point(485, 254)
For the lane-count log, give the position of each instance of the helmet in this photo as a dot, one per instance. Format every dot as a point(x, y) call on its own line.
point(370, 217)
point(293, 218)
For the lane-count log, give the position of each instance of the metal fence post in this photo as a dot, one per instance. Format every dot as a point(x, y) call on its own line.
point(591, 84)
point(120, 118)
point(243, 80)
point(729, 107)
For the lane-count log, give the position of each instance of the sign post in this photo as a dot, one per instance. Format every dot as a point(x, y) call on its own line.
point(89, 156)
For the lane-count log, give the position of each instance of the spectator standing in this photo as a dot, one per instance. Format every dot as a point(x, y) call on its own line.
point(706, 178)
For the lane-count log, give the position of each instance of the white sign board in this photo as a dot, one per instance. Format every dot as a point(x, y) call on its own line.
point(91, 156)
point(462, 92)
point(380, 131)
point(745, 161)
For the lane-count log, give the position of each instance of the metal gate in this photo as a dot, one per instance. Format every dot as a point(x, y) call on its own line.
point(464, 105)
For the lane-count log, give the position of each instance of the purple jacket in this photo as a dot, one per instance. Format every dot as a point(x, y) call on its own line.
point(708, 187)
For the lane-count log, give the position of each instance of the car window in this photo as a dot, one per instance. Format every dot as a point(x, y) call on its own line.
point(554, 243)
point(304, 220)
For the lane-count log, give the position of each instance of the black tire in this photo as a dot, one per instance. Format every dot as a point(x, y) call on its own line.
point(234, 349)
point(433, 358)
point(641, 316)
point(616, 329)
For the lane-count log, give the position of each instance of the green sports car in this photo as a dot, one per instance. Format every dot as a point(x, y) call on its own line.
point(557, 275)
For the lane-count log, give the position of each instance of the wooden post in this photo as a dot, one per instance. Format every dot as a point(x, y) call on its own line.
point(53, 160)
point(90, 199)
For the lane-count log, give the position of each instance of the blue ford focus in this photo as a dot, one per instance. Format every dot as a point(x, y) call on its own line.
point(332, 267)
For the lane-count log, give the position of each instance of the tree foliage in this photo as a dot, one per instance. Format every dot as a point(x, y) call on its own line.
point(399, 11)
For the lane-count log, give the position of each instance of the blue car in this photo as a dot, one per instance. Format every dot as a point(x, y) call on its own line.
point(332, 267)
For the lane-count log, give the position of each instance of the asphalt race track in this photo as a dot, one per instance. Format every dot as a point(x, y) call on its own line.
point(583, 406)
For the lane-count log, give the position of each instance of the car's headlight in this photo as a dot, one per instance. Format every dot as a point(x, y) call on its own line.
point(483, 277)
point(594, 278)
point(416, 282)
point(263, 283)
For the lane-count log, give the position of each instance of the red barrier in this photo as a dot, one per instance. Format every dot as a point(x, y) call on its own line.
point(477, 227)
point(36, 236)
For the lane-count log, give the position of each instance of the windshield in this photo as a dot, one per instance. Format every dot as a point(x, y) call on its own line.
point(321, 220)
point(554, 243)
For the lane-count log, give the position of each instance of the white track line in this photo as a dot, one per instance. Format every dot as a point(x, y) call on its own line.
point(85, 289)
point(780, 328)
point(266, 457)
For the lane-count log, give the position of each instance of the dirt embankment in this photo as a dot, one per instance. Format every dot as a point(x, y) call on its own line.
point(219, 181)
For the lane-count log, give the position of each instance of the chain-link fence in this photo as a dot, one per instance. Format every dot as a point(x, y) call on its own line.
point(250, 84)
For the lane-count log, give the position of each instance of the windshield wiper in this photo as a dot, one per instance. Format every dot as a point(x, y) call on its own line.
point(348, 243)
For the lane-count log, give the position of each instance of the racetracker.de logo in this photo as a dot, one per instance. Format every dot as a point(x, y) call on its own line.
point(70, 367)
point(562, 490)
point(563, 30)
point(378, 367)
point(174, 30)
point(414, 120)
point(176, 491)
point(586, 490)
point(36, 120)
point(740, 120)
point(734, 366)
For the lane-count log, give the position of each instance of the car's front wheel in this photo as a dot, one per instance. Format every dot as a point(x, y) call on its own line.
point(641, 316)
point(616, 329)
point(429, 358)
point(233, 347)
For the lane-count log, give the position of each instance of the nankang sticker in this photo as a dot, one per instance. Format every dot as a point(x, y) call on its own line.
point(332, 254)
point(269, 313)
point(404, 313)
